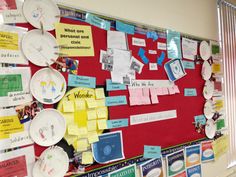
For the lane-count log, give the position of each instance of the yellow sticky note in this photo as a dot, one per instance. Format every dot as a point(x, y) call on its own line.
point(80, 104)
point(83, 132)
point(9, 125)
point(72, 129)
point(69, 118)
point(218, 105)
point(91, 114)
point(216, 67)
point(70, 139)
point(68, 106)
point(220, 146)
point(91, 102)
point(78, 39)
point(102, 112)
point(9, 41)
point(81, 117)
point(93, 137)
point(82, 145)
point(100, 103)
point(102, 124)
point(92, 125)
point(87, 157)
point(99, 93)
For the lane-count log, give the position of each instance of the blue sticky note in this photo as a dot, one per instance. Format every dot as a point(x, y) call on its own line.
point(190, 92)
point(161, 58)
point(141, 52)
point(96, 21)
point(129, 29)
point(189, 64)
point(152, 151)
point(117, 123)
point(114, 86)
point(200, 119)
point(115, 100)
point(81, 81)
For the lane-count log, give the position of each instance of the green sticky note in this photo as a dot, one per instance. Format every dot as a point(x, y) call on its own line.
point(220, 124)
point(10, 83)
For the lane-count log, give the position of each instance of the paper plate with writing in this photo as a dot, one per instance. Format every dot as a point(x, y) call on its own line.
point(209, 109)
point(210, 128)
point(205, 50)
point(40, 48)
point(48, 127)
point(41, 11)
point(208, 89)
point(48, 86)
point(206, 70)
point(53, 162)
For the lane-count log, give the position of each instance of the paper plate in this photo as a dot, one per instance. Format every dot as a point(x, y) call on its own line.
point(205, 50)
point(40, 48)
point(53, 162)
point(208, 89)
point(210, 128)
point(48, 86)
point(209, 109)
point(45, 11)
point(48, 127)
point(206, 70)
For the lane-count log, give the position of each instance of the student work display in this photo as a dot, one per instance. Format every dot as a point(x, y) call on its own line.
point(97, 96)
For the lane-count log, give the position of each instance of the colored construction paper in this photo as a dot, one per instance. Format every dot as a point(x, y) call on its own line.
point(152, 151)
point(81, 81)
point(115, 100)
point(161, 58)
point(120, 26)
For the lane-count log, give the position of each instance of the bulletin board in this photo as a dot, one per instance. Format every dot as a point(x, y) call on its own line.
point(172, 133)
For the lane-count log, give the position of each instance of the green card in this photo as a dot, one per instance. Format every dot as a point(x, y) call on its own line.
point(10, 83)
point(215, 49)
point(220, 124)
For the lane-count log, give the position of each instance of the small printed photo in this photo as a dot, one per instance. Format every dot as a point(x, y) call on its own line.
point(27, 112)
point(108, 59)
point(135, 66)
point(107, 67)
point(126, 80)
point(67, 65)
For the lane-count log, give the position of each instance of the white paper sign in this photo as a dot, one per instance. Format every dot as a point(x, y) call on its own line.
point(161, 46)
point(153, 66)
point(17, 98)
point(13, 16)
point(152, 117)
point(151, 83)
point(189, 48)
point(116, 40)
point(138, 42)
point(20, 139)
point(152, 52)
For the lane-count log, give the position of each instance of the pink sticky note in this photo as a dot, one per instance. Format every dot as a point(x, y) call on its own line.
point(159, 91)
point(171, 90)
point(145, 100)
point(154, 99)
point(145, 92)
point(153, 91)
point(165, 91)
point(176, 88)
point(135, 92)
point(133, 101)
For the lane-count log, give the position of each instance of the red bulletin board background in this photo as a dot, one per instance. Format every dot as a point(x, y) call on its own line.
point(164, 133)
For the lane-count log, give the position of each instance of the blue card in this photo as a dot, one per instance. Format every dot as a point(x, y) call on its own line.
point(200, 119)
point(81, 81)
point(189, 64)
point(114, 86)
point(152, 152)
point(115, 100)
point(96, 21)
point(190, 92)
point(117, 123)
point(129, 29)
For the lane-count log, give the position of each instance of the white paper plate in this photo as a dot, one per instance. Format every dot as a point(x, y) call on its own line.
point(208, 89)
point(40, 48)
point(48, 86)
point(48, 127)
point(205, 50)
point(206, 70)
point(209, 109)
point(210, 128)
point(41, 10)
point(53, 162)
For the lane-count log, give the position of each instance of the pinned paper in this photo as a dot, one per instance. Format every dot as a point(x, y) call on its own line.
point(87, 158)
point(91, 103)
point(116, 40)
point(13, 16)
point(190, 92)
point(153, 66)
point(138, 42)
point(115, 100)
point(218, 104)
point(152, 34)
point(152, 151)
point(141, 53)
point(189, 64)
point(220, 124)
point(102, 112)
point(117, 123)
point(68, 106)
point(91, 114)
point(93, 137)
point(220, 146)
point(120, 26)
point(96, 21)
point(102, 124)
point(189, 48)
point(81, 81)
point(173, 45)
point(114, 86)
point(216, 68)
point(161, 58)
point(201, 119)
point(82, 145)
point(161, 46)
point(152, 52)
point(99, 92)
point(176, 88)
point(92, 125)
point(136, 65)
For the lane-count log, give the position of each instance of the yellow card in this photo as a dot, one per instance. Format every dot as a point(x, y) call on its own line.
point(68, 106)
point(216, 67)
point(102, 124)
point(80, 104)
point(91, 102)
point(73, 129)
point(78, 39)
point(92, 114)
point(100, 103)
point(219, 105)
point(9, 125)
point(87, 157)
point(93, 137)
point(220, 146)
point(9, 41)
point(99, 93)
point(102, 113)
point(82, 145)
point(92, 125)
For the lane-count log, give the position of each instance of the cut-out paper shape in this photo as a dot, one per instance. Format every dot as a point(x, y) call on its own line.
point(141, 53)
point(161, 58)
point(152, 34)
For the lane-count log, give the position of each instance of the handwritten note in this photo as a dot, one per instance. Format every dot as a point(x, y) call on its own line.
point(152, 151)
point(189, 64)
point(138, 42)
point(117, 123)
point(110, 86)
point(81, 81)
point(115, 100)
point(96, 21)
point(13, 16)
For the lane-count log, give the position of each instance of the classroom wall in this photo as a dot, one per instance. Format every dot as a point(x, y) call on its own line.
point(195, 17)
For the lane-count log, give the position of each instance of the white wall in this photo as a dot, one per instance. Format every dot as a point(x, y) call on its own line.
point(195, 17)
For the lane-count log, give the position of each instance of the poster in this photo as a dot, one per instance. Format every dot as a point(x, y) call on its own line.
point(151, 168)
point(175, 163)
point(192, 155)
point(207, 151)
point(173, 45)
point(129, 171)
point(194, 171)
point(75, 40)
